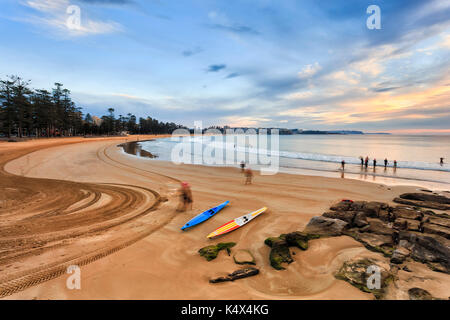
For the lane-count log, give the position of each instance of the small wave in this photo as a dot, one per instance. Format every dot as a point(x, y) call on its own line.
point(417, 165)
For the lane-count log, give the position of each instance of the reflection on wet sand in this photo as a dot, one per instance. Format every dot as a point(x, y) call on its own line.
point(135, 149)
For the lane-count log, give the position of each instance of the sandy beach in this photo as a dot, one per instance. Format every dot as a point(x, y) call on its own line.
point(85, 202)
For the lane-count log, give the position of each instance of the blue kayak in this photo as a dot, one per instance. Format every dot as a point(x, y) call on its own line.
point(204, 216)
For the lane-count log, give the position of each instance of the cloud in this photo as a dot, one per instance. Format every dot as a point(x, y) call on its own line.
point(232, 75)
point(216, 67)
point(309, 70)
point(114, 2)
point(240, 29)
point(385, 89)
point(57, 15)
point(191, 52)
point(223, 23)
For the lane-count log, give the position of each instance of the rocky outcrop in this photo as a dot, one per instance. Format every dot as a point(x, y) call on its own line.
point(424, 200)
point(243, 256)
point(361, 274)
point(407, 224)
point(374, 242)
point(211, 252)
point(436, 229)
point(407, 213)
point(299, 239)
point(280, 252)
point(419, 294)
point(324, 226)
point(444, 222)
point(426, 197)
point(238, 274)
point(399, 255)
point(427, 249)
point(425, 235)
point(401, 233)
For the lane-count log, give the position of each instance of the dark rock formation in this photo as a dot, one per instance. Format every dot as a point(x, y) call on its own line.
point(360, 220)
point(373, 209)
point(438, 221)
point(426, 197)
point(374, 242)
point(298, 239)
point(427, 249)
point(211, 252)
point(399, 255)
point(381, 228)
point(424, 200)
point(419, 294)
point(407, 213)
point(436, 229)
point(407, 224)
point(346, 216)
point(325, 226)
point(358, 273)
point(238, 274)
point(280, 252)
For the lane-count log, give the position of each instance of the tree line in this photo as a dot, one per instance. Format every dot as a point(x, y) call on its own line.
point(26, 112)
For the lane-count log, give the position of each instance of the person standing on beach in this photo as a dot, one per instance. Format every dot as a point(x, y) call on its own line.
point(395, 165)
point(442, 161)
point(185, 197)
point(385, 162)
point(362, 160)
point(366, 162)
point(248, 176)
point(343, 165)
point(374, 163)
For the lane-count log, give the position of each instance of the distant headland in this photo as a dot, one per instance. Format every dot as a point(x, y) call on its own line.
point(285, 131)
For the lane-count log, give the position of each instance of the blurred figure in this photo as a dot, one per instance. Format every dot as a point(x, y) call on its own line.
point(248, 176)
point(343, 165)
point(366, 162)
point(362, 160)
point(186, 199)
point(442, 161)
point(386, 162)
point(374, 163)
point(242, 166)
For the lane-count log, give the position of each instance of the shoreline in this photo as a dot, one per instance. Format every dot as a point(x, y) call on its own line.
point(387, 180)
point(150, 267)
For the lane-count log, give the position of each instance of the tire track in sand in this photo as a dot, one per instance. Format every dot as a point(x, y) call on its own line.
point(60, 189)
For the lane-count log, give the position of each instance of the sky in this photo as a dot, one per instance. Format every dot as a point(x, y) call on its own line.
point(304, 64)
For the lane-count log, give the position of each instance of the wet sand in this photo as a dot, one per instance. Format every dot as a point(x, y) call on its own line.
point(85, 201)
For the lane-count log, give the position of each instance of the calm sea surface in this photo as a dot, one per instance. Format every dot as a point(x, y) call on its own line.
point(417, 156)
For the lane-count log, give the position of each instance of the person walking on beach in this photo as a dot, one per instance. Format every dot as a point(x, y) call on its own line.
point(185, 197)
point(242, 166)
point(248, 176)
point(385, 162)
point(442, 161)
point(362, 160)
point(374, 163)
point(366, 162)
point(395, 165)
point(343, 165)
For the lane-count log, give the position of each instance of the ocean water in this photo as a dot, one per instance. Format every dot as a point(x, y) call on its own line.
point(417, 156)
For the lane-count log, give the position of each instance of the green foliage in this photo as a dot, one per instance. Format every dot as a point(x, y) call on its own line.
point(26, 112)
